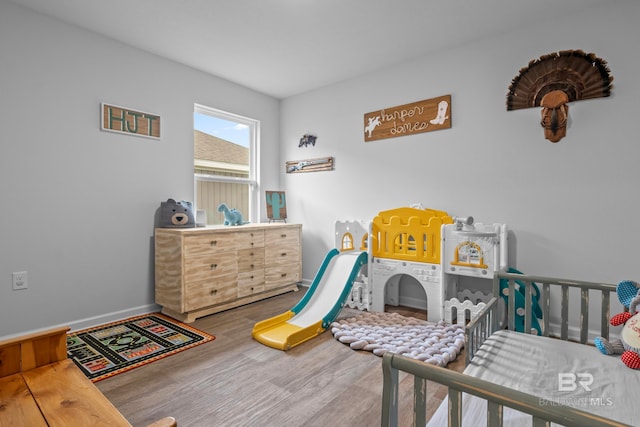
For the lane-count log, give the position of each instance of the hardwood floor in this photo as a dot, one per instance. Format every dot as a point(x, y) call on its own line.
point(236, 381)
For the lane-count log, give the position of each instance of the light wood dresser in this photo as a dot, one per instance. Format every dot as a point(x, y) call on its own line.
point(201, 271)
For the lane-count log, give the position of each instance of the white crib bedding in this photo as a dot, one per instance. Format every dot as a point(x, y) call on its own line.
point(564, 372)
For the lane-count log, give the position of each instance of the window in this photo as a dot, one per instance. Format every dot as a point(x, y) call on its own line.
point(347, 242)
point(224, 160)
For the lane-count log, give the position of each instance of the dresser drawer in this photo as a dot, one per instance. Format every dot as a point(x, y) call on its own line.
point(249, 239)
point(210, 292)
point(250, 260)
point(280, 256)
point(203, 244)
point(281, 237)
point(282, 275)
point(250, 283)
point(210, 266)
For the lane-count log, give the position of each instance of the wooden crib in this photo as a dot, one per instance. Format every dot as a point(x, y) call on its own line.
point(490, 341)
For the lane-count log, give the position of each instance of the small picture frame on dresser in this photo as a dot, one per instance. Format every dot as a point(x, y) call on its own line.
point(276, 206)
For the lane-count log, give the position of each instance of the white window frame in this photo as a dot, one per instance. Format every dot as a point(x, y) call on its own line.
point(254, 173)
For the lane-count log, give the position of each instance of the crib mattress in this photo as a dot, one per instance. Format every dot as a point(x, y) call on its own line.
point(564, 372)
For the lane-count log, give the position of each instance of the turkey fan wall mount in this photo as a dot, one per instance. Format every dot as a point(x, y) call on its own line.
point(556, 79)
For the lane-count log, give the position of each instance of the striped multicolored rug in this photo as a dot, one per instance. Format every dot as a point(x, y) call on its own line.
point(107, 350)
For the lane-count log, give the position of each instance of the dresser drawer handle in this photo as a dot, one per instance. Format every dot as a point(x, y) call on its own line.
point(252, 254)
point(283, 235)
point(283, 275)
point(251, 279)
point(252, 243)
point(283, 254)
point(214, 266)
point(251, 234)
point(214, 242)
point(252, 289)
point(251, 266)
point(214, 291)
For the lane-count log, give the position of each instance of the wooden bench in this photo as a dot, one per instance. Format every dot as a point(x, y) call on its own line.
point(40, 386)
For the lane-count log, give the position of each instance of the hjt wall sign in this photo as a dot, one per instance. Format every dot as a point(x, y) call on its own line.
point(422, 116)
point(124, 120)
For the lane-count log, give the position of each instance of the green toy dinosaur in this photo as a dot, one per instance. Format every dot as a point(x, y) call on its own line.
point(231, 216)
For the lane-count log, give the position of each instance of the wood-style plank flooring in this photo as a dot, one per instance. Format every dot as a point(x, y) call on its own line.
point(236, 381)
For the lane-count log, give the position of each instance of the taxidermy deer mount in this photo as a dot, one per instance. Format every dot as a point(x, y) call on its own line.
point(556, 79)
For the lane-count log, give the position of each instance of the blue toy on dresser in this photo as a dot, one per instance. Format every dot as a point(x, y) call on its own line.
point(231, 216)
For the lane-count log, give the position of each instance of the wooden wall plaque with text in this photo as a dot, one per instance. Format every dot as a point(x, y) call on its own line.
point(417, 117)
point(124, 120)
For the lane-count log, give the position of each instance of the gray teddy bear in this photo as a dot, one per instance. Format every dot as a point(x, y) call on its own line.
point(176, 214)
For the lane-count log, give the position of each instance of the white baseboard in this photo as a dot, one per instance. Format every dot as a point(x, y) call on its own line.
point(305, 282)
point(113, 317)
point(90, 322)
point(417, 303)
point(573, 333)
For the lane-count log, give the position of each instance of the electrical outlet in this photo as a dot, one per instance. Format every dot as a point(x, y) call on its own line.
point(20, 280)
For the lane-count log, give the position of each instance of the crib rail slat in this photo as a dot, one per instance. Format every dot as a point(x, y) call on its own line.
point(546, 303)
point(511, 306)
point(537, 422)
point(389, 396)
point(528, 306)
point(564, 313)
point(494, 415)
point(455, 408)
point(584, 315)
point(605, 310)
point(419, 401)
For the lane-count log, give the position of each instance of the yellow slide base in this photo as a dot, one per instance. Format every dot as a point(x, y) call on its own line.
point(277, 333)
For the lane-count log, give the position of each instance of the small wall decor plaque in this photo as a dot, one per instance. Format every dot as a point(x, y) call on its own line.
point(310, 165)
point(276, 206)
point(307, 139)
point(417, 117)
point(131, 122)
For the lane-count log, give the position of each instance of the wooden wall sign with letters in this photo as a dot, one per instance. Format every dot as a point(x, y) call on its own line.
point(124, 120)
point(422, 116)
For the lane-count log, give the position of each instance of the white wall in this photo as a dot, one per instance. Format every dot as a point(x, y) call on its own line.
point(79, 203)
point(572, 206)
